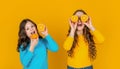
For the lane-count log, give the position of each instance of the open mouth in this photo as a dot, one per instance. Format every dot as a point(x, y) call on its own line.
point(79, 24)
point(33, 32)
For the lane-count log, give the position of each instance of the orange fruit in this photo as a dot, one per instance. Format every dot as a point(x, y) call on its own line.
point(84, 18)
point(74, 18)
point(34, 36)
point(41, 27)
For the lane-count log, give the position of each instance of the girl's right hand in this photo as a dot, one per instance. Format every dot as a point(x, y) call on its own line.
point(33, 43)
point(73, 27)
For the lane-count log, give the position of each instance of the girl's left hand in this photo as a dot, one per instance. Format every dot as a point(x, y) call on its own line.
point(45, 32)
point(89, 24)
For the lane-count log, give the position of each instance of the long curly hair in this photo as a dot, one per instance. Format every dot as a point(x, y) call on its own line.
point(88, 38)
point(23, 39)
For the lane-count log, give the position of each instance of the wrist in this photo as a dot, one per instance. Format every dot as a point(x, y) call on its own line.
point(92, 28)
point(31, 48)
point(72, 33)
point(46, 34)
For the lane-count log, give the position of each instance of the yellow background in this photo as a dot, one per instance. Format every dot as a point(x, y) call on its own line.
point(55, 13)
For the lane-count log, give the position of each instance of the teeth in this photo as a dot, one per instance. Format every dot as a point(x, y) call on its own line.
point(79, 24)
point(33, 32)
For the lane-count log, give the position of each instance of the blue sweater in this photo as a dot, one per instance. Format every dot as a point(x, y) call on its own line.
point(38, 58)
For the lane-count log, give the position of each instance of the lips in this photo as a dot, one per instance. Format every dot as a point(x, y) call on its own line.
point(79, 24)
point(33, 35)
point(33, 32)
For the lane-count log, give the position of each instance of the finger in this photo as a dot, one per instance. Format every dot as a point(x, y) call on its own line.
point(42, 32)
point(86, 24)
point(76, 24)
point(70, 22)
point(89, 20)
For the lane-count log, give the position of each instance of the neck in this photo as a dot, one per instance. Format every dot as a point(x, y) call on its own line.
point(79, 32)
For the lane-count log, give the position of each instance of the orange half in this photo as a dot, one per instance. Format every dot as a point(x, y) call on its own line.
point(74, 18)
point(34, 36)
point(84, 18)
point(41, 27)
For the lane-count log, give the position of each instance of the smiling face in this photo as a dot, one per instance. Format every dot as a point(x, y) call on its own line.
point(80, 25)
point(30, 29)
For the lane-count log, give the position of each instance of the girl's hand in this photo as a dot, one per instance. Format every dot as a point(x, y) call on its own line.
point(73, 27)
point(45, 32)
point(33, 43)
point(89, 24)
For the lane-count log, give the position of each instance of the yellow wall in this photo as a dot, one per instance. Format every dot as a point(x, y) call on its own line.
point(55, 13)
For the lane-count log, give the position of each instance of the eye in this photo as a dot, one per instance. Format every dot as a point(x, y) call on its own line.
point(27, 29)
point(32, 26)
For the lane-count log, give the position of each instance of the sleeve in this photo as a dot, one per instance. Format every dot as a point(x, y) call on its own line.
point(68, 43)
point(25, 57)
point(51, 44)
point(97, 36)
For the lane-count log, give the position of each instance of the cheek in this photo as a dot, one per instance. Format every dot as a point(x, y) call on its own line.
point(80, 27)
point(28, 33)
point(35, 29)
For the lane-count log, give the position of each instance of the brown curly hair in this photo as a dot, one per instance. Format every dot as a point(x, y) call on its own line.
point(22, 37)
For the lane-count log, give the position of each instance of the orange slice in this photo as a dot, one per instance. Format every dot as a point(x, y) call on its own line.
point(34, 36)
point(41, 27)
point(74, 18)
point(84, 18)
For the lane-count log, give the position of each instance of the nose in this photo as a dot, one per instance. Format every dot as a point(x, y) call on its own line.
point(79, 21)
point(31, 29)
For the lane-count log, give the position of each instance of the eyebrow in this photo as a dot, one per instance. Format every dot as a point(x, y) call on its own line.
point(30, 26)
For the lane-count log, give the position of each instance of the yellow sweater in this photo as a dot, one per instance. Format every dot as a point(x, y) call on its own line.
point(81, 58)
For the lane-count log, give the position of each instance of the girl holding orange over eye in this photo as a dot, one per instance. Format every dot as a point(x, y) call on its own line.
point(81, 41)
point(33, 47)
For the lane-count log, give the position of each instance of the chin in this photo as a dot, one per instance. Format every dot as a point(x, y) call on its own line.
point(80, 28)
